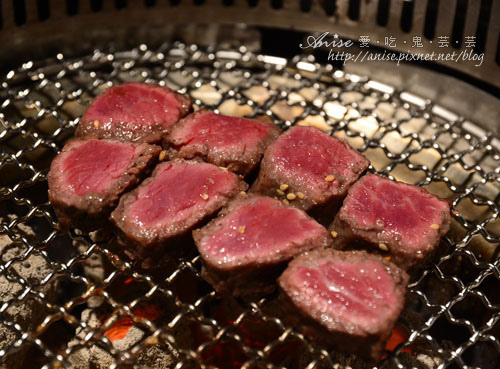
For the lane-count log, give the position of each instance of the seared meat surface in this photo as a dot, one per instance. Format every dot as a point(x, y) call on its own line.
point(402, 221)
point(87, 178)
point(135, 112)
point(245, 249)
point(232, 142)
point(345, 300)
point(177, 197)
point(309, 169)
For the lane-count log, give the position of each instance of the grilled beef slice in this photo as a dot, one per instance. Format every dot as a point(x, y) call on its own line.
point(402, 221)
point(178, 196)
point(345, 300)
point(309, 169)
point(249, 244)
point(232, 142)
point(87, 178)
point(135, 112)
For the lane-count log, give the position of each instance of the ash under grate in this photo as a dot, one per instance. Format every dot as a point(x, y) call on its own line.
point(91, 308)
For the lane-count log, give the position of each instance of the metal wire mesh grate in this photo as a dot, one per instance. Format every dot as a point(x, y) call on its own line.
point(453, 309)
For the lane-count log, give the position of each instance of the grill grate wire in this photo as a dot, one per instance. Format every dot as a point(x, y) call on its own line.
point(406, 138)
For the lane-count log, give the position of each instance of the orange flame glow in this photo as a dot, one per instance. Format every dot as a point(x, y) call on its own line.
point(398, 336)
point(121, 327)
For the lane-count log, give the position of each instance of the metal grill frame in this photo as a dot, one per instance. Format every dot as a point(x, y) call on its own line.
point(205, 67)
point(32, 28)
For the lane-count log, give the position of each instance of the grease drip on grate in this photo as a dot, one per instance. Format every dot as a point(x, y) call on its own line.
point(90, 307)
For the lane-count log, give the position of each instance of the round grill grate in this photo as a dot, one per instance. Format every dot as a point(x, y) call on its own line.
point(453, 309)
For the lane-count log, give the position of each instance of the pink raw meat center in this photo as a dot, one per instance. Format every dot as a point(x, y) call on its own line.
point(404, 212)
point(178, 193)
point(95, 165)
point(360, 294)
point(135, 106)
point(310, 156)
point(221, 132)
point(258, 229)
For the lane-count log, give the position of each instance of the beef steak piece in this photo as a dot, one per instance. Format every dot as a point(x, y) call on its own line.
point(309, 169)
point(345, 300)
point(136, 112)
point(247, 247)
point(403, 221)
point(87, 178)
point(232, 142)
point(177, 197)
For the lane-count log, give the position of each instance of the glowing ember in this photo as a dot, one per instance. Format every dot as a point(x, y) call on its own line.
point(398, 336)
point(120, 329)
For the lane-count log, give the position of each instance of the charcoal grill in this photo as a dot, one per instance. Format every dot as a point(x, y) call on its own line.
point(84, 292)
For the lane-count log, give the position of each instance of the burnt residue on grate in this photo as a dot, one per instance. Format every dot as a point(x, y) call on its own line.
point(91, 307)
